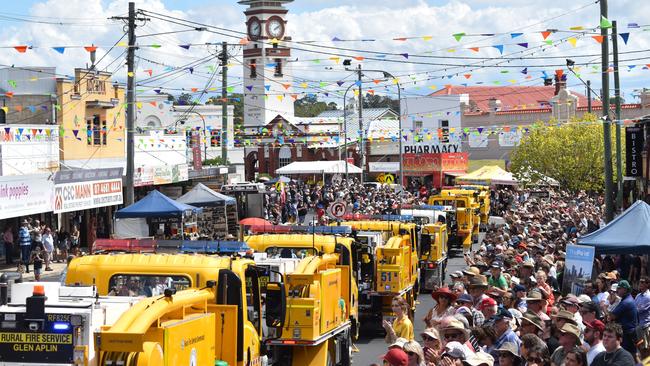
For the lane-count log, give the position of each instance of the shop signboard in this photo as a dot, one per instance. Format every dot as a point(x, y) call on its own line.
point(143, 176)
point(383, 166)
point(425, 164)
point(634, 152)
point(166, 174)
point(77, 190)
point(24, 195)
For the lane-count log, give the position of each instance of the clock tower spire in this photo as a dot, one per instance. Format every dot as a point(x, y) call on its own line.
point(268, 78)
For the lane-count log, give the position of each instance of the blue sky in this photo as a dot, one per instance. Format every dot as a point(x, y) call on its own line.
point(322, 20)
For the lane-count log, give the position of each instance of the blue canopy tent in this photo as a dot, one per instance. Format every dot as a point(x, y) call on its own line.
point(629, 233)
point(131, 221)
point(155, 204)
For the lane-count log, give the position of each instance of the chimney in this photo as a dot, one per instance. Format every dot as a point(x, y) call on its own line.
point(494, 104)
point(560, 82)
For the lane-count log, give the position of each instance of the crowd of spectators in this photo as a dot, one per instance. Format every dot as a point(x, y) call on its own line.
point(508, 307)
point(291, 201)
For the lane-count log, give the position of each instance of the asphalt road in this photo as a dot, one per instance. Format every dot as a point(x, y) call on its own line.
point(371, 343)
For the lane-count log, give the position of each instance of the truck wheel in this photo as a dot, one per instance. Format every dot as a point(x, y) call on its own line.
point(356, 326)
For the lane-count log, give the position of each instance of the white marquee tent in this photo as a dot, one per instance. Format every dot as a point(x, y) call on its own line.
point(318, 167)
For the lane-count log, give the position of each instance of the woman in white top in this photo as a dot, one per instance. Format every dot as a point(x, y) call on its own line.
point(444, 307)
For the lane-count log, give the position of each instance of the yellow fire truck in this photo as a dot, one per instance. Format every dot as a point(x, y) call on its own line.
point(201, 309)
point(291, 241)
point(387, 252)
point(462, 221)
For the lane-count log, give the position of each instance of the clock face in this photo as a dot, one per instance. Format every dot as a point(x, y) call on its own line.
point(276, 28)
point(254, 28)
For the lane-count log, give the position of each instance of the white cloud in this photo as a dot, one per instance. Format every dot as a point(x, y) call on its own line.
point(380, 19)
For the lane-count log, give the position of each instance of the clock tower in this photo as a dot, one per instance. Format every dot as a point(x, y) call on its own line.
point(266, 67)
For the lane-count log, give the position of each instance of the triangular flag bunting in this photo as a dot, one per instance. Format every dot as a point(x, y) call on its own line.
point(90, 48)
point(524, 71)
point(515, 35)
point(336, 39)
point(605, 23)
point(577, 28)
point(475, 49)
point(249, 87)
point(598, 39)
point(185, 46)
point(545, 34)
point(467, 76)
point(150, 72)
point(524, 44)
point(573, 41)
point(21, 49)
point(339, 83)
point(499, 47)
point(406, 55)
point(458, 36)
point(60, 50)
point(625, 37)
point(402, 39)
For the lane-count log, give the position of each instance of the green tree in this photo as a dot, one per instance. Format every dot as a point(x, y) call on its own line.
point(572, 154)
point(310, 106)
point(183, 99)
point(380, 101)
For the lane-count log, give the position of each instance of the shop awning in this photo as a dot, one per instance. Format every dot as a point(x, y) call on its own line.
point(318, 167)
point(155, 204)
point(203, 196)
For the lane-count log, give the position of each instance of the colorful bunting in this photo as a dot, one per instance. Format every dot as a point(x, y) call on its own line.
point(605, 23)
point(545, 34)
point(499, 47)
point(21, 49)
point(572, 41)
point(458, 36)
point(60, 50)
point(625, 37)
point(598, 39)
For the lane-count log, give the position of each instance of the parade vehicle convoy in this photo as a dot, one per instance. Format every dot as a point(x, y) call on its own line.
point(473, 204)
point(201, 309)
point(462, 222)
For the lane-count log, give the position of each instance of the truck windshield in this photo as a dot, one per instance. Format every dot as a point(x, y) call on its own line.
point(276, 252)
point(145, 285)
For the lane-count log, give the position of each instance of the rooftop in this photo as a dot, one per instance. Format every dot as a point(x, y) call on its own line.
point(511, 97)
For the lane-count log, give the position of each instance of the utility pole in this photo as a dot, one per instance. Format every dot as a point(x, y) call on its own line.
point(130, 103)
point(362, 152)
point(589, 96)
point(224, 102)
point(607, 133)
point(617, 95)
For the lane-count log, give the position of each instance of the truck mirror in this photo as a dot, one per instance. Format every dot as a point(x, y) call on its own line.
point(276, 304)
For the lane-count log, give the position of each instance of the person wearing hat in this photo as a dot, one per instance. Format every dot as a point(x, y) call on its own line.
point(432, 345)
point(444, 306)
point(454, 354)
point(479, 359)
point(572, 305)
point(626, 315)
point(569, 338)
point(453, 330)
point(508, 355)
point(497, 281)
point(25, 241)
point(593, 338)
point(488, 307)
point(395, 357)
point(503, 331)
point(520, 293)
point(536, 303)
point(531, 324)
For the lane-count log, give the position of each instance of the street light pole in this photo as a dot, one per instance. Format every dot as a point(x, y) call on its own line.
point(345, 130)
point(205, 145)
point(399, 123)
